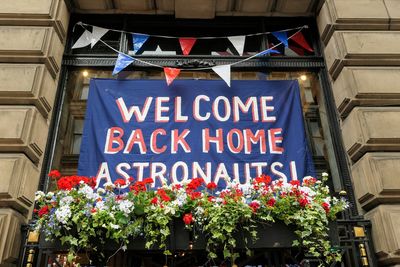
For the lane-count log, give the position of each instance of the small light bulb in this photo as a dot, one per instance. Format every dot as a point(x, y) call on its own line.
point(303, 77)
point(85, 73)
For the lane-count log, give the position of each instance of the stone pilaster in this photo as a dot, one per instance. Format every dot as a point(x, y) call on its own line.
point(32, 40)
point(362, 52)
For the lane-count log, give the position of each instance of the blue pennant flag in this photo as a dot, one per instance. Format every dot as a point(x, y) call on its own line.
point(138, 40)
point(269, 51)
point(281, 36)
point(122, 62)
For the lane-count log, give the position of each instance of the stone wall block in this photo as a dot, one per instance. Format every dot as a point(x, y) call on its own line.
point(385, 221)
point(20, 178)
point(352, 15)
point(10, 238)
point(36, 13)
point(362, 48)
point(204, 9)
point(369, 129)
point(31, 45)
point(294, 7)
point(393, 7)
point(23, 129)
point(27, 84)
point(375, 178)
point(366, 86)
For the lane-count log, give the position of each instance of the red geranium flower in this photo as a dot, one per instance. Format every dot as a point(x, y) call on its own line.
point(195, 183)
point(266, 179)
point(254, 206)
point(295, 182)
point(211, 186)
point(188, 218)
point(43, 211)
point(163, 195)
point(120, 182)
point(154, 200)
point(271, 202)
point(148, 180)
point(326, 207)
point(54, 174)
point(303, 202)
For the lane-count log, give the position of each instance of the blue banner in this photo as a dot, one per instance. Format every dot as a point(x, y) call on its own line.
point(194, 128)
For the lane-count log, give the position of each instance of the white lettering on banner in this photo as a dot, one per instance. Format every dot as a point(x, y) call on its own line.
point(138, 139)
point(179, 171)
point(222, 109)
point(237, 141)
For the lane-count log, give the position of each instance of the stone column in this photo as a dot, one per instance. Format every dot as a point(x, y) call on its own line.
point(362, 51)
point(32, 40)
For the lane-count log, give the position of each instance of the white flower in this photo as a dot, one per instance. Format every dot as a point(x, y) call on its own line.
point(126, 206)
point(169, 210)
point(49, 194)
point(100, 205)
point(324, 174)
point(199, 211)
point(39, 195)
point(246, 188)
point(114, 226)
point(63, 214)
point(65, 201)
point(308, 191)
point(88, 192)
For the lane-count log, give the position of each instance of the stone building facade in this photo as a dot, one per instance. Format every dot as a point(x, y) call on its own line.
point(361, 41)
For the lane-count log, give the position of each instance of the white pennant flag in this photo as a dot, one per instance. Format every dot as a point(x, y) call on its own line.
point(84, 40)
point(224, 71)
point(97, 33)
point(238, 43)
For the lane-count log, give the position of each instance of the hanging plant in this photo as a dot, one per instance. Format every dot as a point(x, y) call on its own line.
point(82, 217)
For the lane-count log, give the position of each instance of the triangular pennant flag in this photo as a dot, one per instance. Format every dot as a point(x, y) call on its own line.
point(84, 40)
point(97, 33)
point(186, 45)
point(238, 43)
point(298, 37)
point(122, 62)
point(281, 36)
point(269, 51)
point(171, 74)
point(299, 51)
point(138, 41)
point(224, 71)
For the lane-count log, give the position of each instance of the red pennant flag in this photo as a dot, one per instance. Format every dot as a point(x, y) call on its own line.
point(171, 74)
point(298, 37)
point(186, 44)
point(299, 51)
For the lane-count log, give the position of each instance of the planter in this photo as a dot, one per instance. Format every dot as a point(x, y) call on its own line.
point(276, 235)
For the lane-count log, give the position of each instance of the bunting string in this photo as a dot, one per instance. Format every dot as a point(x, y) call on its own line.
point(186, 43)
point(200, 37)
